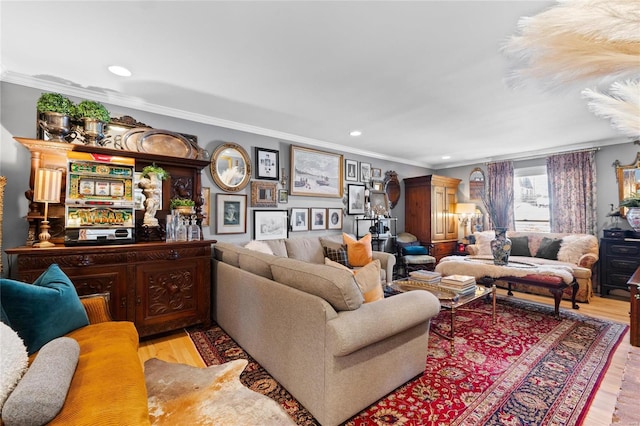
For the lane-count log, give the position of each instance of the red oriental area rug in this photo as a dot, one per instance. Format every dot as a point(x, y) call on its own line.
point(528, 369)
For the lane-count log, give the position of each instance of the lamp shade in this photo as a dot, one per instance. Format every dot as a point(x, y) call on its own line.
point(465, 208)
point(47, 185)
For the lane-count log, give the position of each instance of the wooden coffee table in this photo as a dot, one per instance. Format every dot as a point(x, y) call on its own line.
point(450, 301)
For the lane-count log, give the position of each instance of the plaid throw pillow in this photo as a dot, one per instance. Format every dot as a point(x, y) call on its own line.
point(337, 255)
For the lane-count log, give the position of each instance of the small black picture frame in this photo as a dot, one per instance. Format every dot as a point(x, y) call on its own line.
point(267, 164)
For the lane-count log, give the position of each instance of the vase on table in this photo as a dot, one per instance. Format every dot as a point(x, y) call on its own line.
point(633, 217)
point(501, 247)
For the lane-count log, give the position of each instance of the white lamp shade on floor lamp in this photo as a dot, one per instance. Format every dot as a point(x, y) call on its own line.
point(46, 189)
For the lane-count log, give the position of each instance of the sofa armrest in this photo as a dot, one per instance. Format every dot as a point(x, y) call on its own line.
point(376, 321)
point(588, 260)
point(387, 262)
point(97, 307)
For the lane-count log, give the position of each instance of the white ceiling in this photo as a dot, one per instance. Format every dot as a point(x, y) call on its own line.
point(421, 79)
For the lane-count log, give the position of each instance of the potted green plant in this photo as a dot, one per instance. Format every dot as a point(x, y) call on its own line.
point(633, 214)
point(182, 202)
point(92, 110)
point(152, 168)
point(94, 116)
point(56, 110)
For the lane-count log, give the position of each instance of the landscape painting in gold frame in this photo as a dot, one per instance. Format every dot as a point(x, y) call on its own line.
point(316, 173)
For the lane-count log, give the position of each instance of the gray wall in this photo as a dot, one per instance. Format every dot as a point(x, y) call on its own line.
point(18, 115)
point(607, 186)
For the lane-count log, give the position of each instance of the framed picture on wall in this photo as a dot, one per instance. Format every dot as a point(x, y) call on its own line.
point(355, 199)
point(299, 219)
point(270, 224)
point(231, 213)
point(263, 194)
point(267, 164)
point(365, 172)
point(376, 173)
point(316, 173)
point(318, 219)
point(205, 209)
point(334, 218)
point(351, 170)
point(283, 196)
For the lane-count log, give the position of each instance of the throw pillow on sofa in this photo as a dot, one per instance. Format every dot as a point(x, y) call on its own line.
point(359, 252)
point(13, 361)
point(338, 255)
point(573, 247)
point(42, 391)
point(44, 310)
point(520, 246)
point(549, 248)
point(367, 278)
point(483, 242)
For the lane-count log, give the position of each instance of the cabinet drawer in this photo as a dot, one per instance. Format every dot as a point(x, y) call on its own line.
point(623, 264)
point(71, 260)
point(173, 253)
point(623, 250)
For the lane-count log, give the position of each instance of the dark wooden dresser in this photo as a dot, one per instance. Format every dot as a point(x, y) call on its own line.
point(634, 332)
point(619, 258)
point(158, 286)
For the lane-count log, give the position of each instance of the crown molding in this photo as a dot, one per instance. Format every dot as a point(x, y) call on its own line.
point(119, 99)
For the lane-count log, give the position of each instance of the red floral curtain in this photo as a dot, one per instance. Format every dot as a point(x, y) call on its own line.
point(500, 193)
point(572, 192)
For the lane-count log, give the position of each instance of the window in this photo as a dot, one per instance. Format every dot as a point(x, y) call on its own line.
point(531, 199)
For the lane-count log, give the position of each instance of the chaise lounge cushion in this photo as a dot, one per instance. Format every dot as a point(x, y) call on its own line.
point(44, 310)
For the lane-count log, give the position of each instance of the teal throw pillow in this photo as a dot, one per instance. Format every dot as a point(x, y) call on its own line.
point(414, 250)
point(520, 246)
point(44, 310)
point(549, 248)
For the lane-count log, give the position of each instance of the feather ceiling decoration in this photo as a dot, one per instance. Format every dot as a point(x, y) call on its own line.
point(595, 41)
point(577, 40)
point(621, 105)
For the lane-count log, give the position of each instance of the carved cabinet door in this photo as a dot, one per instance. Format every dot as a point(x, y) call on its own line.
point(171, 294)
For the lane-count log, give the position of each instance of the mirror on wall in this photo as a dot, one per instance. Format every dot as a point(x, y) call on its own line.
point(476, 184)
point(230, 167)
point(628, 180)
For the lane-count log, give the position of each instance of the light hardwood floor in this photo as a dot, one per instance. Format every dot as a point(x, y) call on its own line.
point(178, 347)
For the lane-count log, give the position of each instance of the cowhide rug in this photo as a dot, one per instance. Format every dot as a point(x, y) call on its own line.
point(180, 394)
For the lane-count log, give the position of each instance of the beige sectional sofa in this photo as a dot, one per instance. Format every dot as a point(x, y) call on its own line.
point(306, 323)
point(578, 251)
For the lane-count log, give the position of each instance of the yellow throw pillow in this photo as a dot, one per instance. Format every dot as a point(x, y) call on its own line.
point(367, 278)
point(359, 252)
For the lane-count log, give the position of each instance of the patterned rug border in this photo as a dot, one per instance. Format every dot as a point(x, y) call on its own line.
point(573, 407)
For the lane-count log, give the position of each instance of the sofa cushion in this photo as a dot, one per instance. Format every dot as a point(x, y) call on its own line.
point(336, 286)
point(44, 310)
point(278, 247)
point(305, 249)
point(41, 393)
point(338, 255)
point(359, 252)
point(13, 361)
point(260, 246)
point(520, 246)
point(227, 253)
point(573, 247)
point(549, 248)
point(256, 262)
point(367, 278)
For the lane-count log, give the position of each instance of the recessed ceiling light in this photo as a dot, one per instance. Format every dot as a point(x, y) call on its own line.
point(446, 157)
point(356, 133)
point(121, 71)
